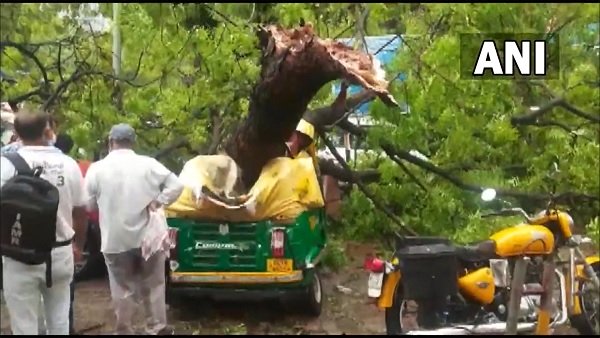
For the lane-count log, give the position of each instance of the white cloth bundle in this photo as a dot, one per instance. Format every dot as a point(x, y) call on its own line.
point(156, 236)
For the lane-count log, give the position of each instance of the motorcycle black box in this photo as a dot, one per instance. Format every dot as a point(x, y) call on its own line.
point(429, 269)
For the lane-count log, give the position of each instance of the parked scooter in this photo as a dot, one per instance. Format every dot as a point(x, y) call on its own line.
point(505, 284)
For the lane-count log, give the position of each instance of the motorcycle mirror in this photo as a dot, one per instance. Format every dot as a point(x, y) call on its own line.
point(488, 194)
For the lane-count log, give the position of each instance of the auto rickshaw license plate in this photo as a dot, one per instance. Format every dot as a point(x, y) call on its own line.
point(279, 265)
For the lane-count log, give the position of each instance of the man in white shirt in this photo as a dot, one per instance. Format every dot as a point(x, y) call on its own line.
point(125, 186)
point(50, 136)
point(25, 284)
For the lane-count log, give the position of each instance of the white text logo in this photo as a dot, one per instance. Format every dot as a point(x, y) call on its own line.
point(528, 57)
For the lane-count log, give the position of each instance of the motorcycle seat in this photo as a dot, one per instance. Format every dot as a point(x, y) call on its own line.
point(478, 252)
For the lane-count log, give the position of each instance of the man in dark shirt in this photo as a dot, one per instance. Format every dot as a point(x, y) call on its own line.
point(64, 142)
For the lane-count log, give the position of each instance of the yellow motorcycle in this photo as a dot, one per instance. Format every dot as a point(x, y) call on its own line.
point(515, 282)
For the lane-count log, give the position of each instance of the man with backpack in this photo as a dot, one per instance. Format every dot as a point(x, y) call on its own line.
point(13, 146)
point(15, 143)
point(42, 209)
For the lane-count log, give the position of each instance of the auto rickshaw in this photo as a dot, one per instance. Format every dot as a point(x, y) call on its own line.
point(268, 246)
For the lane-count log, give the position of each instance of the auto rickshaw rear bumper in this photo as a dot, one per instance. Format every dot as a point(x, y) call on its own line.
point(236, 277)
point(235, 294)
point(239, 285)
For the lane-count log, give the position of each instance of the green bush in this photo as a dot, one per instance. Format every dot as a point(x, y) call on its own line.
point(335, 254)
point(593, 230)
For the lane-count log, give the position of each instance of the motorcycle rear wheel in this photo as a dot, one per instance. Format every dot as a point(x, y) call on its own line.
point(398, 313)
point(588, 321)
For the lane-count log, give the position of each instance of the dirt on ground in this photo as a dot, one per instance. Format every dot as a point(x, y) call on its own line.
point(346, 310)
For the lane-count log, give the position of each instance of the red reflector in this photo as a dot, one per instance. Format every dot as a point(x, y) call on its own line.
point(277, 243)
point(374, 264)
point(173, 232)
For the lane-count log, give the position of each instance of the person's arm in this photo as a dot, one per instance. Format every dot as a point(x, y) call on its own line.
point(80, 228)
point(10, 148)
point(91, 188)
point(7, 170)
point(170, 185)
point(79, 198)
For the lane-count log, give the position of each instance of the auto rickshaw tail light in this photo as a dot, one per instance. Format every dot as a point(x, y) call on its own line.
point(277, 243)
point(173, 237)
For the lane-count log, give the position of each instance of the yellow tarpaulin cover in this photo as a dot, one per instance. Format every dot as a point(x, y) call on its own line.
point(285, 188)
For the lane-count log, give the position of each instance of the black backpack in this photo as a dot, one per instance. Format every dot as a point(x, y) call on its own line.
point(28, 212)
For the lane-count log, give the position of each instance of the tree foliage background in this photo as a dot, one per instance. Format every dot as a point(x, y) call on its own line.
point(187, 71)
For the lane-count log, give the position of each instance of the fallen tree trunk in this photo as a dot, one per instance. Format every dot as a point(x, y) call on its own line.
point(295, 65)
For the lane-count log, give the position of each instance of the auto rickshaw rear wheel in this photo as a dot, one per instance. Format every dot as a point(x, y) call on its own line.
point(309, 301)
point(313, 299)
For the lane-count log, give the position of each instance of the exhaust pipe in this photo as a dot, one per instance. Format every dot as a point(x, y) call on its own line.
point(495, 328)
point(563, 315)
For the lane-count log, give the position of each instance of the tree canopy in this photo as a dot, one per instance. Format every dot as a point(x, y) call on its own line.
point(187, 71)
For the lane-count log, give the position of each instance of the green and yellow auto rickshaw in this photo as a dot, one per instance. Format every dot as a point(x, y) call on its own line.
point(269, 246)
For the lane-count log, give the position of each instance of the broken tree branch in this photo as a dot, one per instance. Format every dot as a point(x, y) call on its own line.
point(570, 131)
point(351, 128)
point(531, 118)
point(329, 167)
point(363, 188)
point(537, 197)
point(579, 112)
point(409, 173)
point(326, 117)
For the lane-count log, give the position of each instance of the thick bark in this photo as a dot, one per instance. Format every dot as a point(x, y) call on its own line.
point(295, 65)
point(320, 117)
